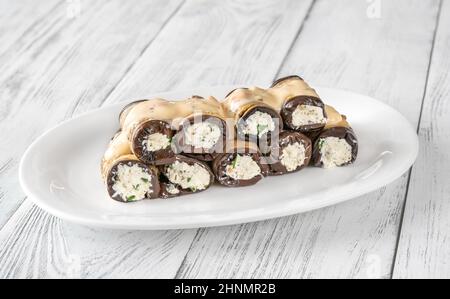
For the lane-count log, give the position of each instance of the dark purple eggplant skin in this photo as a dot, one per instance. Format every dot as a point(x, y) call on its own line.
point(287, 138)
point(234, 91)
point(278, 81)
point(129, 106)
point(164, 180)
point(201, 154)
point(289, 107)
point(340, 132)
point(160, 157)
point(113, 172)
point(223, 160)
point(203, 157)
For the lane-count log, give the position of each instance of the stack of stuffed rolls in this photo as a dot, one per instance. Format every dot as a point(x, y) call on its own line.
point(167, 148)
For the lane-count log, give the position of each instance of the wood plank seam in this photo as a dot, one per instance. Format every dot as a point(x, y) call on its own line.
point(43, 17)
point(15, 210)
point(180, 268)
point(127, 71)
point(294, 41)
point(433, 42)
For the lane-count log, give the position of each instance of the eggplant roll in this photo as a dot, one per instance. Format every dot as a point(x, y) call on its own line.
point(254, 119)
point(128, 179)
point(300, 106)
point(147, 125)
point(336, 146)
point(184, 176)
point(241, 165)
point(292, 153)
point(202, 134)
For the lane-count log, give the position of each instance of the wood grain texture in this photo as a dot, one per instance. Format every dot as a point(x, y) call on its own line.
point(40, 246)
point(222, 42)
point(61, 64)
point(386, 58)
point(424, 246)
point(19, 20)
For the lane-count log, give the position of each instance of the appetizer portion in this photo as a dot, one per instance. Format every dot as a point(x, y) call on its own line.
point(147, 125)
point(203, 133)
point(165, 148)
point(241, 165)
point(127, 178)
point(292, 153)
point(301, 107)
point(130, 180)
point(254, 119)
point(336, 146)
point(184, 176)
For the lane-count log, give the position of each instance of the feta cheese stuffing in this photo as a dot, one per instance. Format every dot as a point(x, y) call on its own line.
point(334, 152)
point(156, 142)
point(243, 168)
point(293, 156)
point(131, 182)
point(308, 115)
point(194, 177)
point(259, 123)
point(202, 135)
point(172, 189)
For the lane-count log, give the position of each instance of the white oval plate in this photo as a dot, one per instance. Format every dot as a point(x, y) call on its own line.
point(60, 172)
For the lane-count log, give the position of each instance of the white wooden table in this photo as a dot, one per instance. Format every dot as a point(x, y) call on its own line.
point(60, 58)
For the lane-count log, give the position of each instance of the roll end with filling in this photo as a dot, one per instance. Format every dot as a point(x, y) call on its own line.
point(185, 176)
point(151, 142)
point(304, 114)
point(130, 180)
point(241, 166)
point(257, 121)
point(292, 153)
point(335, 147)
point(201, 137)
point(126, 109)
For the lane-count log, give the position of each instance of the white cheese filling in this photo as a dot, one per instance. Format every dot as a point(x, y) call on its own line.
point(132, 183)
point(193, 177)
point(259, 123)
point(156, 142)
point(307, 115)
point(202, 135)
point(243, 168)
point(172, 189)
point(293, 156)
point(334, 152)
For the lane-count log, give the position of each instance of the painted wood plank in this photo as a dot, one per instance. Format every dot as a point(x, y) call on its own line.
point(424, 245)
point(66, 63)
point(21, 18)
point(206, 39)
point(385, 57)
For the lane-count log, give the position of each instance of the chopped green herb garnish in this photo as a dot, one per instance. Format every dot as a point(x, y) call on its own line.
point(235, 161)
point(320, 143)
point(189, 179)
point(136, 187)
point(193, 189)
point(144, 180)
point(261, 128)
point(131, 198)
